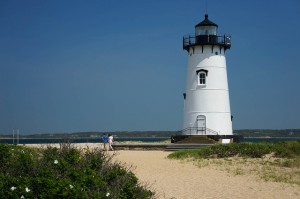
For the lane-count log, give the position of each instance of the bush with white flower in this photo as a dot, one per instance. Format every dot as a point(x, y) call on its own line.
point(65, 172)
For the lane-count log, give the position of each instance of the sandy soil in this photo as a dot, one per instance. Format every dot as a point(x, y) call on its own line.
point(183, 180)
point(175, 179)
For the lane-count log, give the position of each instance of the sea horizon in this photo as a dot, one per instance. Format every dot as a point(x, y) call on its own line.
point(126, 139)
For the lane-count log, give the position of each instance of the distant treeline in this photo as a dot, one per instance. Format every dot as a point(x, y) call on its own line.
point(242, 132)
point(99, 134)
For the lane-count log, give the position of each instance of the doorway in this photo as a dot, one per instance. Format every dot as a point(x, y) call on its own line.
point(201, 124)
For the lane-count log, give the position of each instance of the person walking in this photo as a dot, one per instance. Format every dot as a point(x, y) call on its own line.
point(105, 141)
point(110, 141)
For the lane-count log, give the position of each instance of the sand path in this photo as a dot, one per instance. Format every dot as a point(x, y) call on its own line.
point(183, 180)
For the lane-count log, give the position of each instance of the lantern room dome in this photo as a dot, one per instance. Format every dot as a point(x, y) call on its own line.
point(206, 27)
point(206, 22)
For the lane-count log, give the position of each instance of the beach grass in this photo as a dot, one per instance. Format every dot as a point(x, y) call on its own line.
point(277, 162)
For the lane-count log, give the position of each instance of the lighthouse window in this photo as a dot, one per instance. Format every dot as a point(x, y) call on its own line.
point(201, 78)
point(206, 30)
point(202, 74)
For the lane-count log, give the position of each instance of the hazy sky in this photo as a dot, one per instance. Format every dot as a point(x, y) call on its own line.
point(107, 65)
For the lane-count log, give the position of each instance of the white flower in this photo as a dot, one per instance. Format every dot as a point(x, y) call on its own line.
point(12, 149)
point(71, 186)
point(107, 194)
point(22, 196)
point(27, 190)
point(55, 161)
point(13, 188)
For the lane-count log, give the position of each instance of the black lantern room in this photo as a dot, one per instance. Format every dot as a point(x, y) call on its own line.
point(206, 33)
point(206, 27)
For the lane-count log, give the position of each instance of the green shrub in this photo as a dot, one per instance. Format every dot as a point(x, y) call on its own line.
point(65, 173)
point(287, 149)
point(253, 150)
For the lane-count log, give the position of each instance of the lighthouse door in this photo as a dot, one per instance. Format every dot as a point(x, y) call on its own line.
point(201, 125)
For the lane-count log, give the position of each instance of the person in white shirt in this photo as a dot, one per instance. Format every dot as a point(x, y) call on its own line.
point(110, 141)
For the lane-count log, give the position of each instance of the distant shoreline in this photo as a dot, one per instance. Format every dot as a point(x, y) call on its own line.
point(84, 137)
point(26, 140)
point(117, 137)
point(266, 137)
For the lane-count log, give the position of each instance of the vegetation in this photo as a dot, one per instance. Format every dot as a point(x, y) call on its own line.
point(277, 161)
point(253, 150)
point(268, 132)
point(65, 172)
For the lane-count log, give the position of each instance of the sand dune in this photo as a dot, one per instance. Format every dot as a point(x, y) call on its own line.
point(175, 179)
point(183, 180)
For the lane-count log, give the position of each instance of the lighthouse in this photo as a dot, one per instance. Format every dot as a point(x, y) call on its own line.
point(206, 97)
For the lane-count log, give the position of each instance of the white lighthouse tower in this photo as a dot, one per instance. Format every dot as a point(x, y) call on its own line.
point(206, 98)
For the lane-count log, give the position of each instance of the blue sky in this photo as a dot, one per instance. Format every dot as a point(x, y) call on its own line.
point(99, 65)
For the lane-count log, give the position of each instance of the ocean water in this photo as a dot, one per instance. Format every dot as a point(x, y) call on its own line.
point(75, 140)
point(98, 140)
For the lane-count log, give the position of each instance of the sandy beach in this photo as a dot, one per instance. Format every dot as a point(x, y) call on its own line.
point(175, 179)
point(183, 180)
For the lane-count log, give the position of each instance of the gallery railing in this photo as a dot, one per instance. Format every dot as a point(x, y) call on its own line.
point(192, 40)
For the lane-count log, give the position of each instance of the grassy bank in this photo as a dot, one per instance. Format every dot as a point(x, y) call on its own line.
point(65, 172)
point(278, 161)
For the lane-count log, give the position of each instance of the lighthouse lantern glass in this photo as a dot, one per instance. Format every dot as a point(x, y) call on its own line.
point(206, 30)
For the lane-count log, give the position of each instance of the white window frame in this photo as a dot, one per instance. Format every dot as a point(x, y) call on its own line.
point(202, 78)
